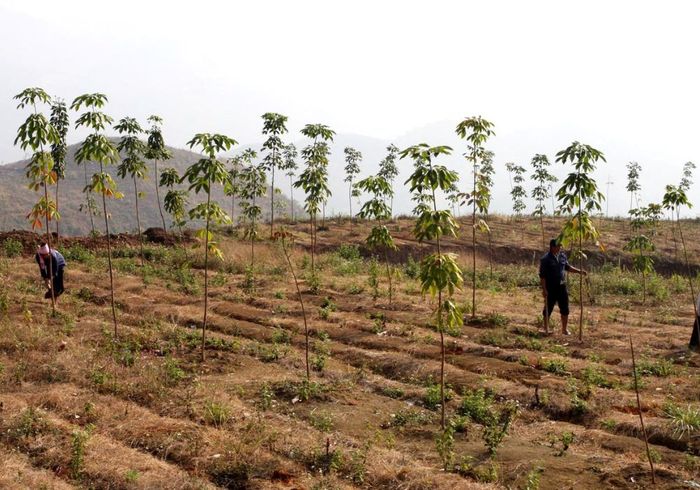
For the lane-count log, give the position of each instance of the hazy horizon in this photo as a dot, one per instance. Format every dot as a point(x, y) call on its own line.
point(616, 76)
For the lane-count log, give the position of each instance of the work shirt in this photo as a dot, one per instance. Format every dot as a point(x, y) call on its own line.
point(553, 269)
point(57, 262)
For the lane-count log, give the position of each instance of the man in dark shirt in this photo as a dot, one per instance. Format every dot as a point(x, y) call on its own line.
point(553, 269)
point(51, 262)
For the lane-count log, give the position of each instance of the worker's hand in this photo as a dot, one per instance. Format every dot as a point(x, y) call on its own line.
point(584, 272)
point(544, 293)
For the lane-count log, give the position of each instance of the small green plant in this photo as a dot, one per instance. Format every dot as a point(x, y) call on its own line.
point(566, 439)
point(267, 397)
point(497, 427)
point(172, 372)
point(29, 423)
point(373, 278)
point(532, 480)
point(661, 368)
point(432, 399)
point(321, 420)
point(554, 366)
point(412, 268)
point(281, 336)
point(132, 476)
point(12, 248)
point(444, 444)
point(79, 441)
point(594, 375)
point(410, 417)
point(216, 413)
point(685, 421)
point(477, 405)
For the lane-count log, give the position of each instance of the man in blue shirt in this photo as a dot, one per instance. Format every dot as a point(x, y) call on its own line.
point(553, 268)
point(51, 262)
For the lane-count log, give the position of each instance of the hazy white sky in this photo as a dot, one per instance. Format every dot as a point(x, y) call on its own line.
point(622, 75)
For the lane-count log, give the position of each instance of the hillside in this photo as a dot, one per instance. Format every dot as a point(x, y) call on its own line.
point(82, 409)
point(16, 199)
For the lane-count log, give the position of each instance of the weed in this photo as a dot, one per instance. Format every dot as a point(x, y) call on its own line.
point(410, 417)
point(281, 336)
point(314, 282)
point(444, 444)
point(395, 393)
point(322, 421)
point(477, 405)
point(685, 421)
point(432, 399)
point(4, 302)
point(79, 440)
point(412, 268)
point(532, 480)
point(280, 295)
point(497, 427)
point(608, 424)
point(373, 279)
point(172, 372)
point(355, 289)
point(661, 368)
point(219, 280)
point(29, 423)
point(594, 375)
point(348, 251)
point(132, 476)
point(554, 366)
point(216, 413)
point(566, 439)
point(267, 397)
point(12, 247)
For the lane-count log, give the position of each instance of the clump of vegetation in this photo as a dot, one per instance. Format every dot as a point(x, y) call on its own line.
point(684, 420)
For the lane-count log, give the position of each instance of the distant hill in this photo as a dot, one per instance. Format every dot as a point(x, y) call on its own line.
point(16, 199)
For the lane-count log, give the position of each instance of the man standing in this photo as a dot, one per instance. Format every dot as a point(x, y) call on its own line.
point(553, 269)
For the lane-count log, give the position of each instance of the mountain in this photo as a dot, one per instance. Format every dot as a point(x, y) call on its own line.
point(16, 200)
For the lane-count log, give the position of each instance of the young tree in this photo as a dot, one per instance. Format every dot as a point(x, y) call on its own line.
point(132, 164)
point(687, 178)
point(34, 134)
point(674, 199)
point(156, 150)
point(483, 198)
point(477, 131)
point(389, 171)
point(517, 191)
point(97, 148)
point(175, 201)
point(542, 190)
point(59, 120)
point(440, 274)
point(641, 245)
point(352, 168)
point(253, 185)
point(232, 187)
point(579, 197)
point(314, 179)
point(376, 208)
point(290, 166)
point(204, 173)
point(633, 187)
point(274, 125)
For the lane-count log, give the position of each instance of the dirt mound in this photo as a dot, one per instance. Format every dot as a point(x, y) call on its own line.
point(31, 240)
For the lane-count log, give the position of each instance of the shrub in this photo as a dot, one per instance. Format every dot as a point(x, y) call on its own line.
point(554, 366)
point(432, 399)
point(78, 253)
point(216, 414)
point(12, 247)
point(348, 251)
point(477, 405)
point(661, 368)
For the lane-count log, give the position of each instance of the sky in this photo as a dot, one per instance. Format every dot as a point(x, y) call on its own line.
point(620, 75)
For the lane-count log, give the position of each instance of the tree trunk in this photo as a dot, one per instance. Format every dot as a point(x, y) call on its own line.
point(58, 235)
point(544, 240)
point(272, 202)
point(350, 201)
point(160, 208)
point(206, 275)
point(138, 223)
point(109, 258)
point(48, 242)
point(291, 195)
point(89, 202)
point(580, 267)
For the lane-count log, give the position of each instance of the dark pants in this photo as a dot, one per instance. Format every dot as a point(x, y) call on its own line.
point(57, 285)
point(694, 341)
point(557, 295)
